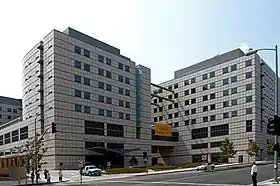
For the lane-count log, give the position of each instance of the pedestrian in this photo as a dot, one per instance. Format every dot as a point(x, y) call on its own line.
point(254, 172)
point(45, 173)
point(32, 176)
point(60, 175)
point(48, 177)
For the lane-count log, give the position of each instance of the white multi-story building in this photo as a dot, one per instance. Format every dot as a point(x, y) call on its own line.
point(228, 96)
point(98, 99)
point(10, 108)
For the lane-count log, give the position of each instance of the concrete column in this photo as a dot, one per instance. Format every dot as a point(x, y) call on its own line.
point(209, 158)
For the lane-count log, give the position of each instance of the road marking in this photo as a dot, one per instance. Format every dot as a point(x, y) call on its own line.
point(169, 183)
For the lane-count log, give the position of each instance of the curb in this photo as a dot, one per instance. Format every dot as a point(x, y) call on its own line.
point(43, 183)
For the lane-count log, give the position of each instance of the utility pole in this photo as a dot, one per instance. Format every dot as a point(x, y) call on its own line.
point(276, 113)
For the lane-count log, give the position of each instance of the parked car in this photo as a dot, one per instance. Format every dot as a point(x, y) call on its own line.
point(91, 170)
point(205, 166)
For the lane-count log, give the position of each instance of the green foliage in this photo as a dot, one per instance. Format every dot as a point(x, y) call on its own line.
point(269, 149)
point(253, 149)
point(133, 161)
point(31, 149)
point(125, 170)
point(227, 149)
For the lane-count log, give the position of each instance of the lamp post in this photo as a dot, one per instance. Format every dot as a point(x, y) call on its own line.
point(35, 148)
point(276, 104)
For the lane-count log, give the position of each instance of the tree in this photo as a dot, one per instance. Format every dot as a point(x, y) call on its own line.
point(133, 161)
point(269, 150)
point(253, 149)
point(227, 149)
point(31, 152)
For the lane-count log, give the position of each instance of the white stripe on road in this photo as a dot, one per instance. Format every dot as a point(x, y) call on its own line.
point(169, 183)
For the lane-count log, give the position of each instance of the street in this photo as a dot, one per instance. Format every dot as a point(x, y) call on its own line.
point(218, 178)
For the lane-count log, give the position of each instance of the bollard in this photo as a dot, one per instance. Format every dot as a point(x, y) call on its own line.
point(19, 180)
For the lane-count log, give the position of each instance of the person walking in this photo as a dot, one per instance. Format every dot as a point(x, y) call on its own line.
point(48, 177)
point(60, 175)
point(254, 172)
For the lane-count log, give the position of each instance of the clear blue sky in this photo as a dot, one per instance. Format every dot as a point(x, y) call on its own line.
point(164, 35)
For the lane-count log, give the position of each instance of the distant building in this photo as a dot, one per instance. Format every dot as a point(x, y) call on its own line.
point(230, 95)
point(10, 108)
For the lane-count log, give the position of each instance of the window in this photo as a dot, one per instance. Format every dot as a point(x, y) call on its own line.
point(115, 130)
point(248, 63)
point(215, 144)
point(187, 112)
point(193, 80)
point(187, 102)
point(170, 106)
point(120, 78)
point(94, 128)
point(108, 74)
point(101, 85)
point(127, 92)
point(212, 117)
point(205, 98)
point(78, 108)
point(78, 93)
point(126, 68)
point(155, 119)
point(233, 102)
point(78, 64)
point(248, 75)
point(249, 99)
point(77, 50)
point(193, 90)
point(225, 104)
point(176, 115)
point(101, 112)
point(109, 113)
point(205, 119)
point(101, 71)
point(186, 82)
point(101, 98)
point(176, 86)
point(9, 117)
point(109, 100)
point(205, 108)
point(193, 111)
point(212, 107)
point(14, 110)
point(234, 113)
point(86, 95)
point(234, 90)
point(187, 92)
point(127, 104)
point(121, 91)
point(100, 58)
point(200, 146)
point(200, 133)
point(249, 87)
point(212, 96)
point(108, 61)
point(121, 115)
point(212, 74)
point(225, 70)
point(87, 81)
point(176, 105)
point(169, 97)
point(87, 109)
point(225, 93)
point(233, 79)
point(233, 67)
point(7, 138)
point(249, 125)
point(170, 87)
point(78, 79)
point(193, 101)
point(86, 53)
point(138, 132)
point(127, 116)
point(193, 121)
point(204, 76)
point(121, 66)
point(15, 136)
point(225, 81)
point(204, 87)
point(176, 124)
point(9, 110)
point(212, 85)
point(169, 116)
point(225, 115)
point(23, 133)
point(127, 80)
point(219, 130)
point(249, 110)
point(187, 122)
point(1, 141)
point(86, 67)
point(108, 87)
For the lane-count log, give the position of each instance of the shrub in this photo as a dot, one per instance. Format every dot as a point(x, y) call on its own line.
point(164, 167)
point(189, 165)
point(124, 170)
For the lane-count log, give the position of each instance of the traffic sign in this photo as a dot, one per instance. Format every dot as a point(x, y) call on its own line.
point(81, 164)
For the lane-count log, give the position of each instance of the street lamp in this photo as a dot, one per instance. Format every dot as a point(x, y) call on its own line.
point(251, 51)
point(35, 147)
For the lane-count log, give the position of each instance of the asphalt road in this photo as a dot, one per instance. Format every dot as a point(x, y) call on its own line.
point(237, 177)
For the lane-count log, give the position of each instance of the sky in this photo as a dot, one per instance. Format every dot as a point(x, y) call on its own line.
point(164, 35)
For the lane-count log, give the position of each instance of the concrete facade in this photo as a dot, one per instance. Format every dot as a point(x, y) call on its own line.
point(96, 97)
point(230, 95)
point(10, 109)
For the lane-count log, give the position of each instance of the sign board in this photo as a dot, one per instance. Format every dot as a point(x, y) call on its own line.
point(81, 164)
point(204, 157)
point(163, 129)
